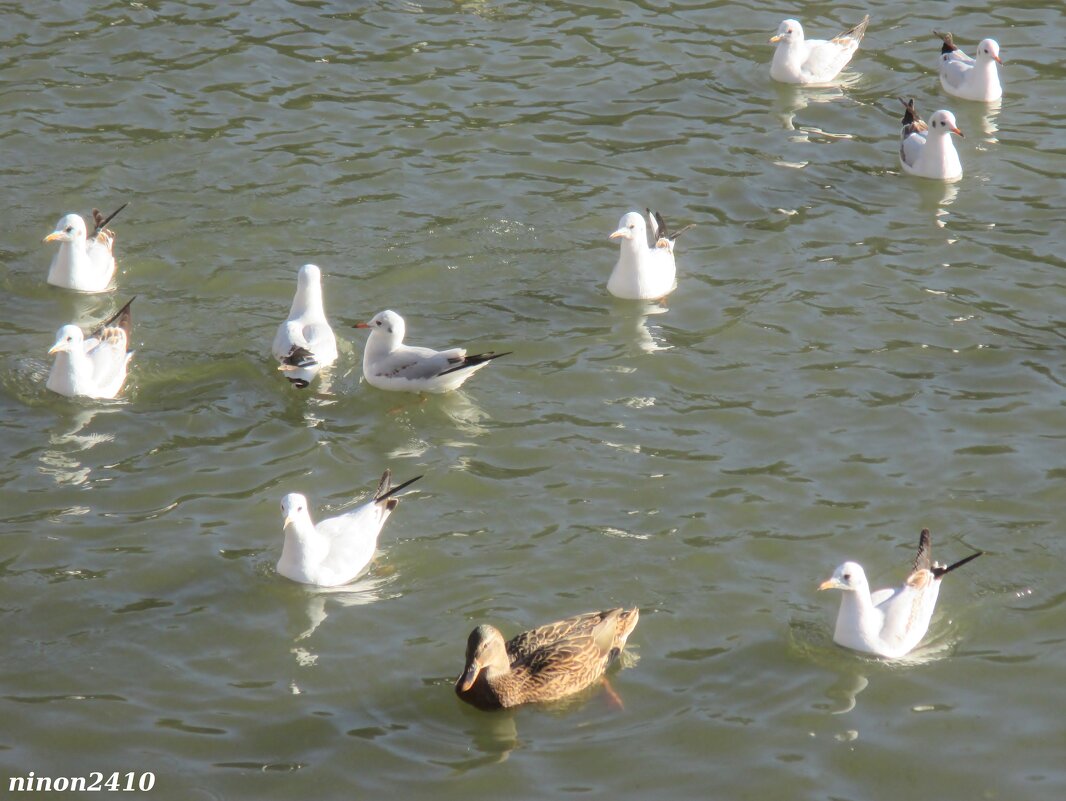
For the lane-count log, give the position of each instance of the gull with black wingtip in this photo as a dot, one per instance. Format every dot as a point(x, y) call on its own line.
point(645, 269)
point(389, 364)
point(85, 263)
point(889, 622)
point(970, 78)
point(305, 343)
point(927, 150)
point(93, 367)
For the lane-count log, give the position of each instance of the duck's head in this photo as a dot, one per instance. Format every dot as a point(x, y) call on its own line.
point(485, 650)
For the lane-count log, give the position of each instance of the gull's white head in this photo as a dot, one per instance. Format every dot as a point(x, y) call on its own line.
point(849, 576)
point(788, 31)
point(294, 509)
point(70, 228)
point(308, 276)
point(631, 227)
point(943, 122)
point(68, 338)
point(988, 49)
point(387, 324)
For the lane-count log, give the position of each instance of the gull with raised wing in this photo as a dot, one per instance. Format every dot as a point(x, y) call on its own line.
point(927, 150)
point(93, 367)
point(305, 343)
point(889, 622)
point(390, 364)
point(970, 78)
point(336, 550)
point(645, 269)
point(812, 61)
point(544, 664)
point(83, 262)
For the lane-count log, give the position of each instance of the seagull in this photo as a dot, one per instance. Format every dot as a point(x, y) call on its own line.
point(812, 61)
point(305, 343)
point(336, 550)
point(544, 664)
point(645, 269)
point(927, 150)
point(390, 364)
point(84, 263)
point(93, 367)
point(888, 623)
point(968, 78)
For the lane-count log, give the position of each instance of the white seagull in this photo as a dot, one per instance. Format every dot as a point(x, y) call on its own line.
point(84, 263)
point(336, 550)
point(645, 269)
point(305, 343)
point(93, 367)
point(812, 61)
point(390, 364)
point(968, 78)
point(927, 150)
point(890, 622)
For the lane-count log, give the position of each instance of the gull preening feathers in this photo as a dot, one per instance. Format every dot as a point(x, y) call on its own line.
point(812, 61)
point(336, 550)
point(390, 364)
point(889, 622)
point(544, 664)
point(926, 150)
point(305, 343)
point(93, 367)
point(83, 262)
point(645, 269)
point(970, 78)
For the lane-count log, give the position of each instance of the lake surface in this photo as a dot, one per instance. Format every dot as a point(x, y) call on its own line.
point(851, 355)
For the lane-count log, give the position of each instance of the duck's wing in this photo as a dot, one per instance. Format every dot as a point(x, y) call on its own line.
point(524, 644)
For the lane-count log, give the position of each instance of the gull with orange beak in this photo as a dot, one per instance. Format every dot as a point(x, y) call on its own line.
point(83, 262)
point(93, 367)
point(970, 78)
point(889, 622)
point(812, 61)
point(645, 269)
point(390, 364)
point(927, 150)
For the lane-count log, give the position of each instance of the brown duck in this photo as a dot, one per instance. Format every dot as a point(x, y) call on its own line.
point(545, 663)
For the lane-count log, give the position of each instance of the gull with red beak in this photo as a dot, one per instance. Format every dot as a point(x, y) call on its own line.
point(889, 622)
point(390, 364)
point(927, 150)
point(645, 269)
point(970, 78)
point(83, 262)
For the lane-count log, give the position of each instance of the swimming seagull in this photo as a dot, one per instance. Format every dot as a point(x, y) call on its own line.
point(968, 78)
point(390, 364)
point(84, 263)
point(888, 623)
point(93, 367)
point(645, 269)
point(927, 150)
point(336, 550)
point(812, 61)
point(305, 343)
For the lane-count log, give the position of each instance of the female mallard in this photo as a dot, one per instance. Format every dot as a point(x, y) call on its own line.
point(545, 663)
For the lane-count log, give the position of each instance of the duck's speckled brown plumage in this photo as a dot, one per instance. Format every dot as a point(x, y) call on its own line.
point(542, 664)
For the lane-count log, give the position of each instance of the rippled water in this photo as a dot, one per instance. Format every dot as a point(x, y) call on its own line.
point(851, 355)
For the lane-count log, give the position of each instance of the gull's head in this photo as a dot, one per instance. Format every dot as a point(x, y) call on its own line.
point(849, 576)
point(989, 49)
point(943, 122)
point(386, 323)
point(70, 228)
point(309, 275)
point(293, 509)
point(631, 227)
point(788, 31)
point(485, 648)
point(68, 338)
